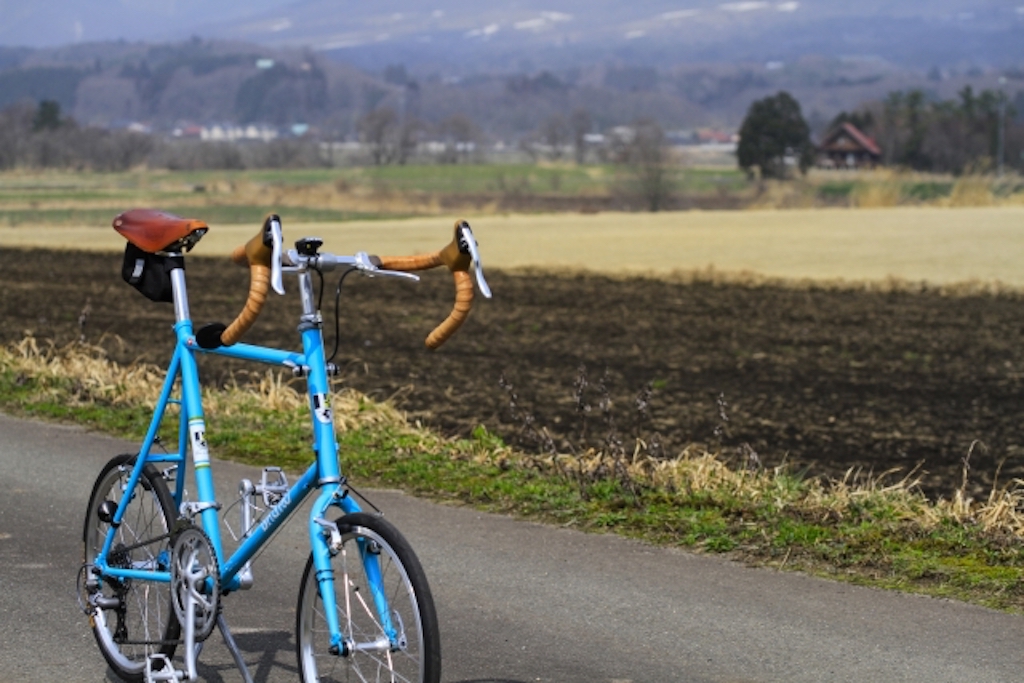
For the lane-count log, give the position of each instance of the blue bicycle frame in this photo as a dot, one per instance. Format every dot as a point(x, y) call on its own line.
point(324, 474)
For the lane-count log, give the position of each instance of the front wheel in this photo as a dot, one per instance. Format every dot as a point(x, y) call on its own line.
point(410, 652)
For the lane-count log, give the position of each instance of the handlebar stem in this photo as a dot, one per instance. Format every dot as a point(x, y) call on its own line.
point(310, 315)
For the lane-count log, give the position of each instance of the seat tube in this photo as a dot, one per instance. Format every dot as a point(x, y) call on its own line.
point(192, 406)
point(181, 312)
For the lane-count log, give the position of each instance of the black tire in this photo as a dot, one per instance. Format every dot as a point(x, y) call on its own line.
point(146, 614)
point(418, 661)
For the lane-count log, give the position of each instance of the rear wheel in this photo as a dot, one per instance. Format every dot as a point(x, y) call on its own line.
point(131, 618)
point(411, 652)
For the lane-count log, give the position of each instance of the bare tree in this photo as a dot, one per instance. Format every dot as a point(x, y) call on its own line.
point(530, 146)
point(191, 155)
point(15, 129)
point(555, 134)
point(104, 150)
point(644, 155)
point(408, 137)
point(379, 130)
point(461, 138)
point(580, 123)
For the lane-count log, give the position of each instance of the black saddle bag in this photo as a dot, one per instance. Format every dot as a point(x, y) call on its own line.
point(150, 273)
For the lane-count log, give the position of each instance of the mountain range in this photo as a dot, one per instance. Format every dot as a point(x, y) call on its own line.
point(461, 37)
point(508, 68)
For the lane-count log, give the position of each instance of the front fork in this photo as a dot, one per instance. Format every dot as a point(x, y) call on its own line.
point(326, 540)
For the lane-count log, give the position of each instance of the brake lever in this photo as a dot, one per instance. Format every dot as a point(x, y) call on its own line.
point(277, 241)
point(468, 243)
point(366, 266)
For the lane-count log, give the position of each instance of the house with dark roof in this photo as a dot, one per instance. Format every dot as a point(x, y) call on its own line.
point(846, 146)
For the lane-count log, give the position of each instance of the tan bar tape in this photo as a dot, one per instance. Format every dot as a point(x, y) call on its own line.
point(257, 256)
point(408, 264)
point(463, 302)
point(458, 263)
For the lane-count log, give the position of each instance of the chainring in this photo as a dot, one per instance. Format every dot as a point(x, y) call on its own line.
point(195, 576)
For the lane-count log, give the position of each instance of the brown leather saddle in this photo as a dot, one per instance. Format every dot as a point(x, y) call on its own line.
point(155, 231)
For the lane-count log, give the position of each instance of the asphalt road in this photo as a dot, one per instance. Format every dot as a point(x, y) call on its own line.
point(517, 602)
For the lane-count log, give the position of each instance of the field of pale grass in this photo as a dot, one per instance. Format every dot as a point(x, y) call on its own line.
point(935, 244)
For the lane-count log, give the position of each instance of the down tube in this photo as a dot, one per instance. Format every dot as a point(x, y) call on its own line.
point(266, 527)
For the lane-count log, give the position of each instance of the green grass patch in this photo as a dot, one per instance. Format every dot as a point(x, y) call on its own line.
point(834, 191)
point(927, 191)
point(213, 214)
point(482, 178)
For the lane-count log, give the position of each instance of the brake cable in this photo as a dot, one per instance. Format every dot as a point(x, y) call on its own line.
point(337, 309)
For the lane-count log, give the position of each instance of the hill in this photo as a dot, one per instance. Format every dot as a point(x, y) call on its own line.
point(169, 85)
point(458, 37)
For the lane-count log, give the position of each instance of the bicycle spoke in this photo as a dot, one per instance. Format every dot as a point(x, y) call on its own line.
point(139, 622)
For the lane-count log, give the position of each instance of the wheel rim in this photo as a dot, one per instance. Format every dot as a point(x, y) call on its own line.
point(147, 609)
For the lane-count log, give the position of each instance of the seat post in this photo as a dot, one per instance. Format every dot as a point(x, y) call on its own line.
point(181, 312)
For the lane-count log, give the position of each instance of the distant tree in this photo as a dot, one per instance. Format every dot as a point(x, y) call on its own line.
point(947, 136)
point(191, 155)
point(632, 78)
point(544, 83)
point(379, 130)
point(530, 145)
point(773, 131)
point(47, 116)
point(906, 118)
point(284, 153)
point(643, 152)
point(105, 150)
point(15, 130)
point(580, 123)
point(555, 134)
point(408, 137)
point(396, 74)
point(461, 138)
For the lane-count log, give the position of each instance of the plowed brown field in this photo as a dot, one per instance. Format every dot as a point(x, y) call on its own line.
point(823, 378)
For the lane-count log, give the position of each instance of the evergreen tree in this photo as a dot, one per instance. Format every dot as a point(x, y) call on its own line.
point(47, 116)
point(773, 130)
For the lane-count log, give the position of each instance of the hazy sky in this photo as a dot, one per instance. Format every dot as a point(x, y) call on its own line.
point(37, 23)
point(55, 22)
point(918, 32)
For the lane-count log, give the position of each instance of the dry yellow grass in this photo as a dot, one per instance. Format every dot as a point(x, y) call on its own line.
point(99, 380)
point(972, 190)
point(934, 244)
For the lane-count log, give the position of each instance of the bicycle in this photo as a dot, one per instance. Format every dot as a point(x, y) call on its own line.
point(155, 570)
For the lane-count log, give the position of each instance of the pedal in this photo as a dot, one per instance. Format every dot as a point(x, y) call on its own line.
point(273, 485)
